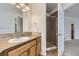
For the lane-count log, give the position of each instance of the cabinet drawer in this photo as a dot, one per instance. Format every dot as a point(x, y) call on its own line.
point(21, 49)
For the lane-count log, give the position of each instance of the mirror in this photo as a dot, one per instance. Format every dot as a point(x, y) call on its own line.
point(11, 19)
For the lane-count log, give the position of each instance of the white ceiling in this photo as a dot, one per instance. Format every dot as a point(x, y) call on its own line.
point(73, 11)
point(50, 7)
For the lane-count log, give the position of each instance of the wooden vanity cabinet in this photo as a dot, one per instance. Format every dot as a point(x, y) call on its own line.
point(33, 51)
point(38, 46)
point(32, 48)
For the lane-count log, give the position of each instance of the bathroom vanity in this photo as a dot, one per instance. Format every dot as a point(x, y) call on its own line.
point(31, 47)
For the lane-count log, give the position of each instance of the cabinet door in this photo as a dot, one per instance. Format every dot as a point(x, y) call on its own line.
point(38, 46)
point(26, 53)
point(23, 50)
point(33, 51)
point(38, 49)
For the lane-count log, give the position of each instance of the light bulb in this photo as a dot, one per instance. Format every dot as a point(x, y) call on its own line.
point(24, 10)
point(27, 8)
point(22, 4)
point(18, 6)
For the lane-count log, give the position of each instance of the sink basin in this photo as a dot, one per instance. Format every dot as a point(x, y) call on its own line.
point(19, 40)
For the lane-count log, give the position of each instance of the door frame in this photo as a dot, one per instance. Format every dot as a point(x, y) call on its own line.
point(56, 33)
point(60, 29)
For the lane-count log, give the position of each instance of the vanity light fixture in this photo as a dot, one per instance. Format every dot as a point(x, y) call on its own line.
point(23, 6)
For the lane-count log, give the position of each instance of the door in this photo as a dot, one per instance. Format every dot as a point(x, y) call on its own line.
point(72, 31)
point(60, 29)
point(19, 24)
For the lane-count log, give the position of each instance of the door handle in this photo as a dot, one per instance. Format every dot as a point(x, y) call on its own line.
point(59, 34)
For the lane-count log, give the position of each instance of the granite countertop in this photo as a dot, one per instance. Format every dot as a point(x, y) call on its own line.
point(4, 44)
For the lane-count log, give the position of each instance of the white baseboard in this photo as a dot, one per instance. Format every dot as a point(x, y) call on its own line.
point(50, 48)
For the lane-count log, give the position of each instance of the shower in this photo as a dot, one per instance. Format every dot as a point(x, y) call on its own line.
point(51, 29)
point(51, 32)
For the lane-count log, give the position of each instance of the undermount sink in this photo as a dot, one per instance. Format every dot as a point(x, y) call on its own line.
point(19, 39)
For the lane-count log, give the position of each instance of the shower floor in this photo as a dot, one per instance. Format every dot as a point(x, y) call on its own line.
point(51, 49)
point(53, 52)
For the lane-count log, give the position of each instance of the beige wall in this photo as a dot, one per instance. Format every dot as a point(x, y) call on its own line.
point(36, 22)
